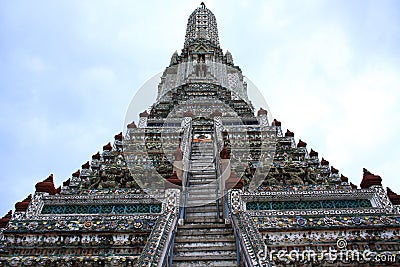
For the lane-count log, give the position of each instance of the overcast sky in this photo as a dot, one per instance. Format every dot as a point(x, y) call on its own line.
point(329, 71)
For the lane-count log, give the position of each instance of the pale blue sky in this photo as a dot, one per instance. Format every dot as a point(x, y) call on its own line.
point(329, 71)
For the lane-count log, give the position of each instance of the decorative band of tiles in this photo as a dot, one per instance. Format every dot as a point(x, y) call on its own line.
point(306, 205)
point(102, 209)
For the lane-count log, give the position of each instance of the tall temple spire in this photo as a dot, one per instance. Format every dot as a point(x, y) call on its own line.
point(202, 166)
point(202, 26)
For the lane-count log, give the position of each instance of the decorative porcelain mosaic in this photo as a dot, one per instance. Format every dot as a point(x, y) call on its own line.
point(309, 205)
point(101, 209)
point(287, 222)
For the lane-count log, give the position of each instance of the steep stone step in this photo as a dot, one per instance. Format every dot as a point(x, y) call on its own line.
point(205, 208)
point(195, 210)
point(215, 238)
point(194, 163)
point(203, 186)
point(201, 191)
point(198, 183)
point(200, 202)
point(195, 197)
point(201, 156)
point(207, 255)
point(211, 207)
point(206, 199)
point(204, 220)
point(205, 178)
point(205, 246)
point(205, 171)
point(207, 167)
point(202, 178)
point(203, 226)
point(202, 145)
point(202, 166)
point(202, 173)
point(231, 256)
point(198, 175)
point(203, 231)
point(198, 163)
point(198, 186)
point(203, 263)
point(201, 213)
point(201, 182)
point(203, 162)
point(202, 151)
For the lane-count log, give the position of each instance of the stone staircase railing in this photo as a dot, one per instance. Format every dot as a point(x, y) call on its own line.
point(219, 188)
point(158, 251)
point(249, 243)
point(186, 145)
point(218, 146)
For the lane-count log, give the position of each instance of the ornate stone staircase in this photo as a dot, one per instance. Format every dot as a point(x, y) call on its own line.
point(204, 240)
